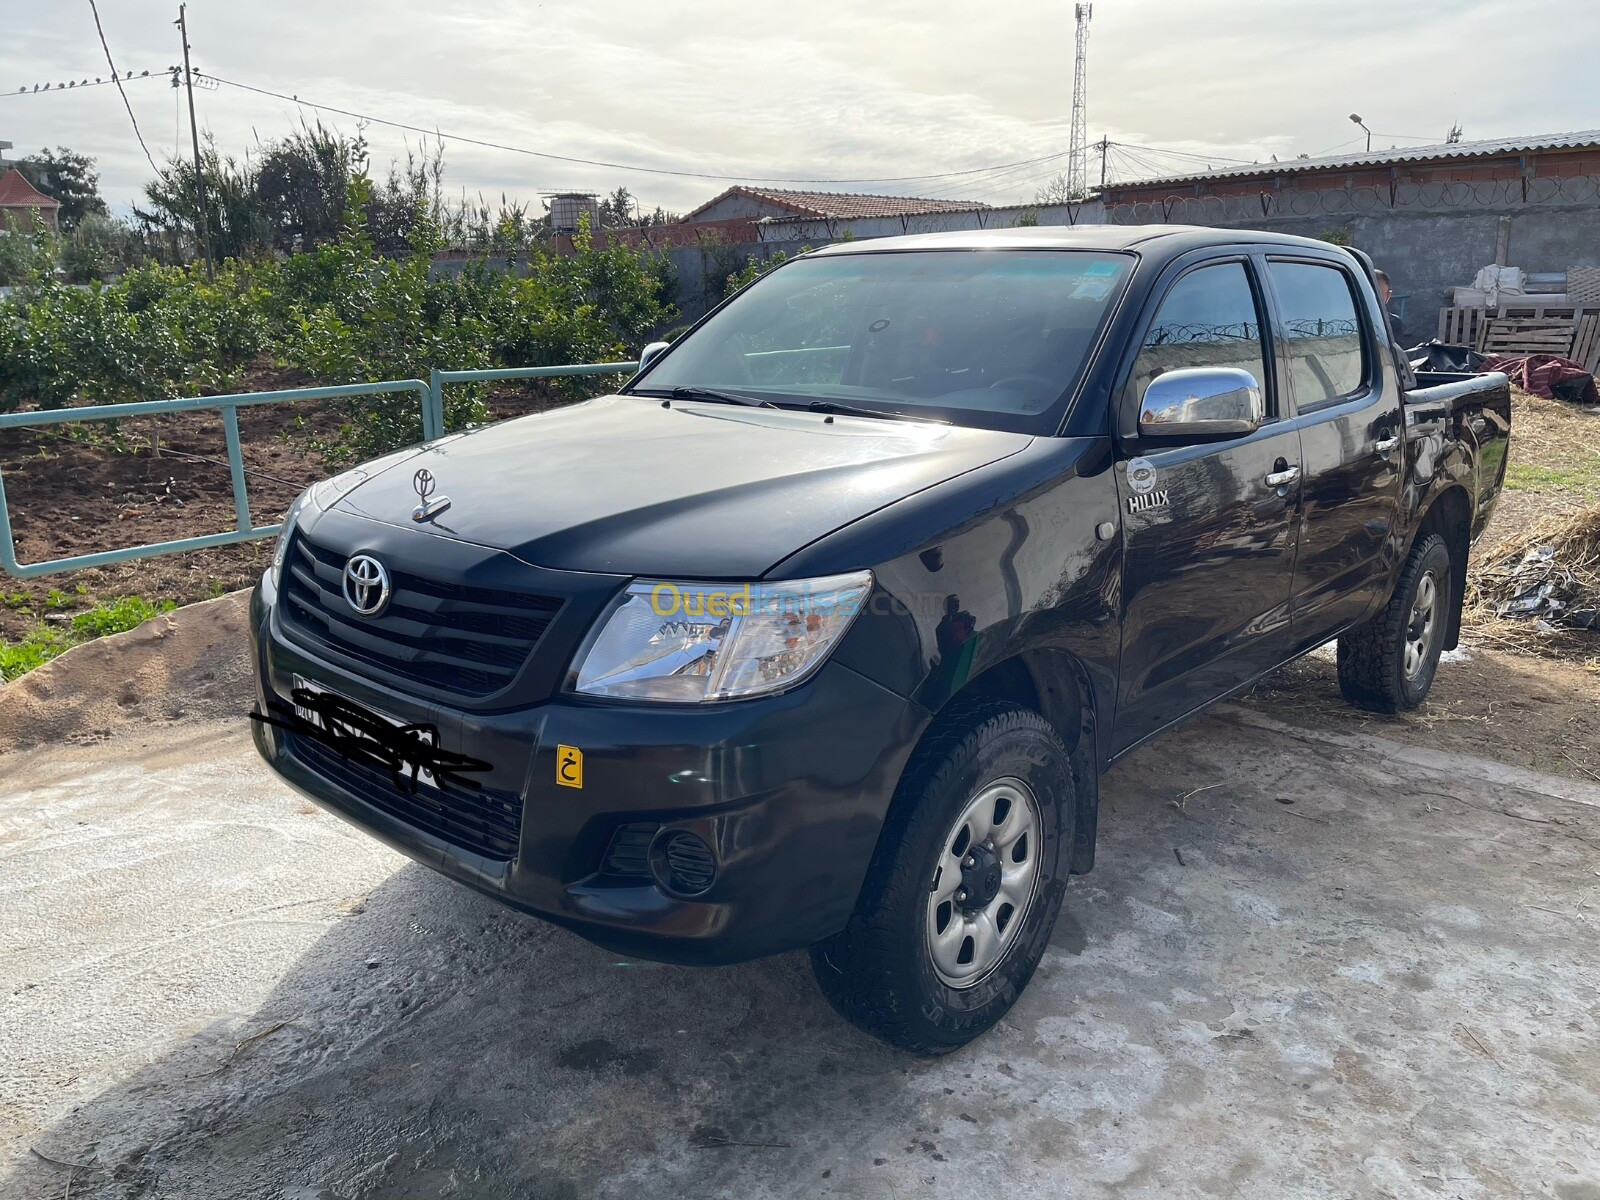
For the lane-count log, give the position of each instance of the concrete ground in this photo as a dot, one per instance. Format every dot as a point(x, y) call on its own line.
point(1308, 964)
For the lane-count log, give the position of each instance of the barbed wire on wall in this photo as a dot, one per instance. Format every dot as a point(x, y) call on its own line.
point(1318, 327)
point(1180, 334)
point(1188, 335)
point(1357, 201)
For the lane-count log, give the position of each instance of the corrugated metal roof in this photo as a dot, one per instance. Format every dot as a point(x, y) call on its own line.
point(1440, 151)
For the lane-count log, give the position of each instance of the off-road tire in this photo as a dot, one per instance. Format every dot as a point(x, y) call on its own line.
point(1372, 671)
point(879, 972)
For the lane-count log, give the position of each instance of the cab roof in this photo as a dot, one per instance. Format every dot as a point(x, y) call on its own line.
point(1167, 239)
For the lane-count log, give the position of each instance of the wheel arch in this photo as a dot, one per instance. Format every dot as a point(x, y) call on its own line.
point(1450, 516)
point(1055, 684)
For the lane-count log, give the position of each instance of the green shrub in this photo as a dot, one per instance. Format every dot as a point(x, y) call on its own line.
point(753, 269)
point(44, 642)
point(117, 616)
point(342, 313)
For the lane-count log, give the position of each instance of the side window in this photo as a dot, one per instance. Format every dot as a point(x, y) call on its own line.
point(1207, 319)
point(1323, 331)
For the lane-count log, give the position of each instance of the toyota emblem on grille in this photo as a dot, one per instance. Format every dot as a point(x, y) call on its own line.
point(366, 585)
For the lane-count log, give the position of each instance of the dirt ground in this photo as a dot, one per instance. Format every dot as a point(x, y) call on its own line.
point(1531, 711)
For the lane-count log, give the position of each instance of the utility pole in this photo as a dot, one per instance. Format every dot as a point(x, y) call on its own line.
point(204, 229)
point(1104, 146)
point(1078, 156)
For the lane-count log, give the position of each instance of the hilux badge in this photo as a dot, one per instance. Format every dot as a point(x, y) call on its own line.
point(424, 484)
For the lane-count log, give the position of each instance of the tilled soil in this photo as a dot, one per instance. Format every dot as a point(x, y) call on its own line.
point(160, 479)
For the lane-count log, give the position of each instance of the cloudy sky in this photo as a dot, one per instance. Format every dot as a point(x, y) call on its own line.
point(862, 92)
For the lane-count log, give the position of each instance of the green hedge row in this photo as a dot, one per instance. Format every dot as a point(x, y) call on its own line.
point(340, 314)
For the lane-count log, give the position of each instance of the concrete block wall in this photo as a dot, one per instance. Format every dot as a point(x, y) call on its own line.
point(1427, 246)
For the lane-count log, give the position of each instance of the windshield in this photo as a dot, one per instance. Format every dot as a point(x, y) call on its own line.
point(994, 338)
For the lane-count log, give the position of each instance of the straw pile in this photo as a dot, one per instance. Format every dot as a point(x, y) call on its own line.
point(1545, 578)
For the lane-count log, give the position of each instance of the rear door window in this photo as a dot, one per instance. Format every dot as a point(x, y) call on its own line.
point(1322, 331)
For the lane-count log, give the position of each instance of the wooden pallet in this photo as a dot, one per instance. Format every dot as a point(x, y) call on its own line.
point(1532, 308)
point(1527, 335)
point(1460, 326)
point(1586, 342)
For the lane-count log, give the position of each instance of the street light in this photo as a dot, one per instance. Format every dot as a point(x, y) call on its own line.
point(1357, 119)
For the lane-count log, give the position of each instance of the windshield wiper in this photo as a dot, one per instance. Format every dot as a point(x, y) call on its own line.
point(684, 392)
point(886, 414)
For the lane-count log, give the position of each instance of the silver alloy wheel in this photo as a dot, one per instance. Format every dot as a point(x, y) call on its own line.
point(984, 882)
point(1420, 625)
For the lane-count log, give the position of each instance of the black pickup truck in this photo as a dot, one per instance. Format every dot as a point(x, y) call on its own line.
point(821, 631)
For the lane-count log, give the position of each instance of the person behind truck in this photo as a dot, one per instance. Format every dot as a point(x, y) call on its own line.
point(1397, 329)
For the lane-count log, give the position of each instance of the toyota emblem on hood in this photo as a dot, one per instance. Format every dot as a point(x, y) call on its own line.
point(423, 483)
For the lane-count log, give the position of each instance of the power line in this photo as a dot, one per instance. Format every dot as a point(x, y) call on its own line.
point(1331, 149)
point(55, 89)
point(590, 162)
point(988, 185)
point(1207, 158)
point(100, 29)
point(1026, 181)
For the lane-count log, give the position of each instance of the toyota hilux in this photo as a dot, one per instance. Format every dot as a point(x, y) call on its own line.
point(820, 632)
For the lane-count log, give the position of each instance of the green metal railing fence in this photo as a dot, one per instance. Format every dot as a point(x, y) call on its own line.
point(430, 396)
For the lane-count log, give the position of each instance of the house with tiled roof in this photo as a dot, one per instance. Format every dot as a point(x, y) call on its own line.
point(735, 217)
point(20, 201)
point(757, 203)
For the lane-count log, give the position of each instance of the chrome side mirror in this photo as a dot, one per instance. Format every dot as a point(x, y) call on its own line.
point(652, 352)
point(1201, 402)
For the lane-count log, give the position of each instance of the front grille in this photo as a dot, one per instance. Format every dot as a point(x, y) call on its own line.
point(482, 820)
point(468, 640)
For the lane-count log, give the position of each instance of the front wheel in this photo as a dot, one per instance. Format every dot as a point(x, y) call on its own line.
point(963, 892)
point(1387, 664)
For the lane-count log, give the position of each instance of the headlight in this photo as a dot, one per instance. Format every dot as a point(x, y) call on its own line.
point(684, 643)
point(319, 497)
point(281, 551)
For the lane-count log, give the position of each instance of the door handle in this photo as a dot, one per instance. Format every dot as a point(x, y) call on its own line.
point(1284, 477)
point(1384, 445)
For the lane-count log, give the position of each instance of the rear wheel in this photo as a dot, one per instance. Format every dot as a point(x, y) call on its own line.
point(964, 889)
point(1388, 664)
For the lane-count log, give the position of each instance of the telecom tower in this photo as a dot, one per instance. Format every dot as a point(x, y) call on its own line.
point(1078, 158)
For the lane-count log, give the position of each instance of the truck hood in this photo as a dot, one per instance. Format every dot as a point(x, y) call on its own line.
point(627, 485)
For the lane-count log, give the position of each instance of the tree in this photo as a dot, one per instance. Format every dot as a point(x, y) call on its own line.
point(1057, 191)
point(68, 177)
point(616, 210)
point(237, 221)
point(301, 185)
point(621, 210)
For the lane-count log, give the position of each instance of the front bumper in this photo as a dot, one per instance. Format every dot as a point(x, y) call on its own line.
point(790, 791)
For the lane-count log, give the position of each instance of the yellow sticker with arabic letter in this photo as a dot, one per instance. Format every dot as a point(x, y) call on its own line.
point(569, 766)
